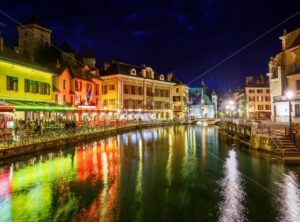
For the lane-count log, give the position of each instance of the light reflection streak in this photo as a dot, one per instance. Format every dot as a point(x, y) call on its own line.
point(169, 161)
point(104, 193)
point(232, 208)
point(139, 182)
point(289, 198)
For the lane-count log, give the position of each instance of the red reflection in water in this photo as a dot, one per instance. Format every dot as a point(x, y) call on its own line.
point(5, 182)
point(101, 163)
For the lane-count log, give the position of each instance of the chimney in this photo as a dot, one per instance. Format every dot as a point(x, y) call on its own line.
point(248, 80)
point(169, 76)
point(1, 44)
point(262, 78)
point(57, 65)
point(106, 66)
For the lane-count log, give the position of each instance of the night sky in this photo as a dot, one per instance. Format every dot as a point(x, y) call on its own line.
point(185, 37)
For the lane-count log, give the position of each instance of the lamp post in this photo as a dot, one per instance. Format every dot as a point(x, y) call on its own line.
point(230, 107)
point(290, 95)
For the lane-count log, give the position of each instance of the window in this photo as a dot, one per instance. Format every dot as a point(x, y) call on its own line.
point(112, 102)
point(97, 90)
point(149, 91)
point(104, 89)
point(177, 90)
point(105, 102)
point(176, 98)
point(64, 84)
point(268, 107)
point(259, 91)
point(12, 83)
point(56, 98)
point(161, 77)
point(251, 91)
point(252, 98)
point(26, 85)
point(141, 90)
point(126, 89)
point(268, 91)
point(267, 98)
point(297, 110)
point(260, 107)
point(133, 89)
point(298, 84)
point(112, 87)
point(133, 72)
point(36, 87)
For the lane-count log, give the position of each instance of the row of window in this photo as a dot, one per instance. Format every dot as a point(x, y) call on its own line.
point(261, 107)
point(134, 90)
point(106, 87)
point(259, 91)
point(259, 98)
point(29, 85)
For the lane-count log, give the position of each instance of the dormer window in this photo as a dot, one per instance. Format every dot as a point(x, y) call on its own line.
point(133, 72)
point(162, 77)
point(149, 73)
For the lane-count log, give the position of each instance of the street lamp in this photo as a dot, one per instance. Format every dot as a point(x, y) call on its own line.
point(230, 107)
point(290, 95)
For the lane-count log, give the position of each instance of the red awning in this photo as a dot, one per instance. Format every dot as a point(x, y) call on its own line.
point(6, 108)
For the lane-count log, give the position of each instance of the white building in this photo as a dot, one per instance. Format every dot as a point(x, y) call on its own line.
point(202, 102)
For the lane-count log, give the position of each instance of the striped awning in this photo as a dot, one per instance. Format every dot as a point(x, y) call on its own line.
point(20, 105)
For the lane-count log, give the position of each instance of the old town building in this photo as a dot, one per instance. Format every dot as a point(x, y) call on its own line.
point(202, 102)
point(258, 103)
point(284, 75)
point(180, 101)
point(241, 103)
point(27, 93)
point(136, 92)
point(33, 35)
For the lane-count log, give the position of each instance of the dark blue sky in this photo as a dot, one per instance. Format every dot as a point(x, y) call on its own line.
point(186, 37)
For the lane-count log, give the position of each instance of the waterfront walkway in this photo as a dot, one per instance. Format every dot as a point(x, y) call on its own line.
point(25, 142)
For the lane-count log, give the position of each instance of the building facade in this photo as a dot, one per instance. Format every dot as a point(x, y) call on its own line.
point(258, 102)
point(241, 103)
point(27, 94)
point(33, 35)
point(284, 76)
point(203, 103)
point(180, 101)
point(136, 92)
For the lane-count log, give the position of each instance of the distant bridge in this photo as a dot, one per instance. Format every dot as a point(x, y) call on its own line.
point(205, 121)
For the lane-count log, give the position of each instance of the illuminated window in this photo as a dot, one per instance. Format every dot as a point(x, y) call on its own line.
point(298, 84)
point(64, 84)
point(12, 83)
point(297, 110)
point(112, 87)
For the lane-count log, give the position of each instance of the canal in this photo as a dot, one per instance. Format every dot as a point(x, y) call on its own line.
point(176, 173)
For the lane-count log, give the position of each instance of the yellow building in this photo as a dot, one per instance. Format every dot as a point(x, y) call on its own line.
point(180, 98)
point(26, 92)
point(136, 92)
point(258, 102)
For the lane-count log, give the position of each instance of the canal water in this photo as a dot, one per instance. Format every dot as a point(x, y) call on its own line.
point(176, 173)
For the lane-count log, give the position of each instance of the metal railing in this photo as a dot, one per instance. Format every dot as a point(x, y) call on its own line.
point(28, 138)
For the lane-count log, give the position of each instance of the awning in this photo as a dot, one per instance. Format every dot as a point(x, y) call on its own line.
point(5, 107)
point(19, 105)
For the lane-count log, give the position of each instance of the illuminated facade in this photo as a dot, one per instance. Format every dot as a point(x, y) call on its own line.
point(258, 102)
point(180, 99)
point(27, 93)
point(136, 92)
point(284, 75)
point(202, 102)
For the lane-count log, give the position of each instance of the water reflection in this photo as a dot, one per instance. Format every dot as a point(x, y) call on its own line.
point(232, 208)
point(163, 174)
point(289, 198)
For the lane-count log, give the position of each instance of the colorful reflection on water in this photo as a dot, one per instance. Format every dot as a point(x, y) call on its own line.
point(166, 174)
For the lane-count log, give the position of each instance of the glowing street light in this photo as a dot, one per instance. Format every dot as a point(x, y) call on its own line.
point(290, 95)
point(230, 107)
